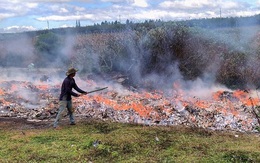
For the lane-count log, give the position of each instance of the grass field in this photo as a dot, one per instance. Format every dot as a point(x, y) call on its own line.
point(96, 141)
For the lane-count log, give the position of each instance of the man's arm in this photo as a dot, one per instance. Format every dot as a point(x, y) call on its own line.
point(78, 89)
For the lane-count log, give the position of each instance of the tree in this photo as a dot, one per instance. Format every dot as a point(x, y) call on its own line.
point(77, 23)
point(47, 48)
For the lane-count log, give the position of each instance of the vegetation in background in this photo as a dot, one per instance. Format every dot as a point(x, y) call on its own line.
point(192, 49)
point(47, 46)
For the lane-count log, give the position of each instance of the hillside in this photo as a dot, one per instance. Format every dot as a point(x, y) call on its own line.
point(170, 50)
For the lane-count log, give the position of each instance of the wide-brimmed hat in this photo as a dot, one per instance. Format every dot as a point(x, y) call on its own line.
point(71, 71)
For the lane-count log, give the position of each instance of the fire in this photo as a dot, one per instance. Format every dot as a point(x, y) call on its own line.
point(202, 104)
point(43, 86)
point(217, 95)
point(153, 95)
point(252, 102)
point(13, 88)
point(237, 95)
point(2, 100)
point(240, 94)
point(1, 92)
point(130, 102)
point(154, 106)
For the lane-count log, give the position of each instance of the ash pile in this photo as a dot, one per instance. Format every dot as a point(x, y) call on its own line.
point(37, 102)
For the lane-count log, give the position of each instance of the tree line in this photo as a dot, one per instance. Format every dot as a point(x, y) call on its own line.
point(139, 50)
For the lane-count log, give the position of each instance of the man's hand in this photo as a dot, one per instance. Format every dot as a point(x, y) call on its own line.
point(81, 95)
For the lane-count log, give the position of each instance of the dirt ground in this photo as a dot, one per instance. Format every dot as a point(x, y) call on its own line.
point(14, 123)
point(22, 123)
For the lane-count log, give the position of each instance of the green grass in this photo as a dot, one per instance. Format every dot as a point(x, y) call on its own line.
point(116, 142)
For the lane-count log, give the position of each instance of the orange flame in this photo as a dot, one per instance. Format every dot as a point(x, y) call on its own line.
point(202, 104)
point(216, 95)
point(153, 104)
point(42, 87)
point(1, 92)
point(14, 88)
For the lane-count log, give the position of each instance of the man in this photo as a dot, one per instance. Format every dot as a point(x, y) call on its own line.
point(65, 96)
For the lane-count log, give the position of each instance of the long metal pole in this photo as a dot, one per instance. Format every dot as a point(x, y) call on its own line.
point(97, 90)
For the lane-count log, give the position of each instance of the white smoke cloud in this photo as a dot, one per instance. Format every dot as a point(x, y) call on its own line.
point(204, 4)
point(113, 1)
point(140, 3)
point(20, 8)
point(32, 11)
point(15, 29)
point(186, 4)
point(257, 5)
point(152, 14)
point(63, 18)
point(6, 15)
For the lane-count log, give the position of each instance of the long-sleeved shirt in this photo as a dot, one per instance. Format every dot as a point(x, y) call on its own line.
point(66, 89)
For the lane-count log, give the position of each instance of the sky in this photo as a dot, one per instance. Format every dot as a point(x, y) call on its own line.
point(27, 15)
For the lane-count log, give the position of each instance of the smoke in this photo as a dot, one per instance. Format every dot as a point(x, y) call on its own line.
point(195, 58)
point(16, 51)
point(208, 60)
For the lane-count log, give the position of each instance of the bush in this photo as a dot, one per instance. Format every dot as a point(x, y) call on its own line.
point(47, 48)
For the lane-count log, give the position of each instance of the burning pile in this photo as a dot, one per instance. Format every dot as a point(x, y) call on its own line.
point(225, 110)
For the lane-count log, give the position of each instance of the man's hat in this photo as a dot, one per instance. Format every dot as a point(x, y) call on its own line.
point(71, 71)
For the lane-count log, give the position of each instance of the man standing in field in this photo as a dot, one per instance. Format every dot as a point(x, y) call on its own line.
point(65, 96)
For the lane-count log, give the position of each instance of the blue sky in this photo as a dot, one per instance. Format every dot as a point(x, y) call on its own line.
point(24, 15)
